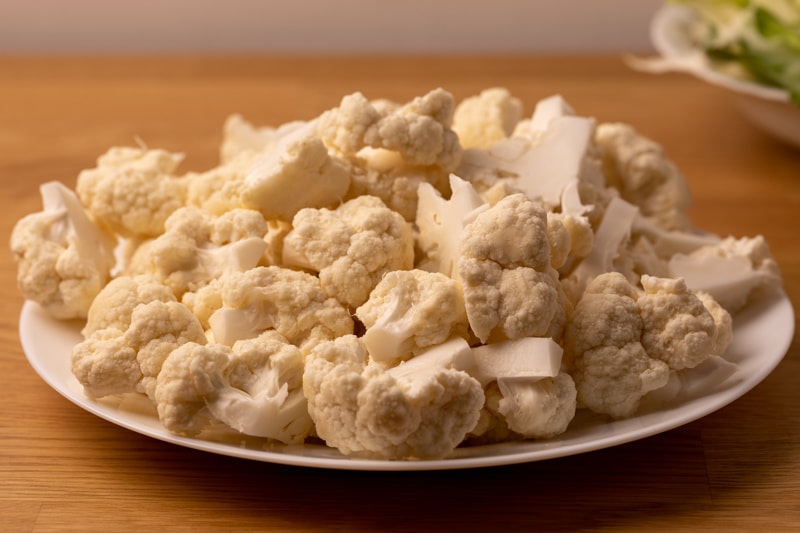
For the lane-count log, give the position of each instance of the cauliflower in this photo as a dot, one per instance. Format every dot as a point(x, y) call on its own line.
point(254, 387)
point(410, 310)
point(421, 409)
point(441, 222)
point(197, 247)
point(118, 360)
point(133, 190)
point(603, 349)
point(733, 271)
point(114, 304)
point(394, 278)
point(623, 342)
point(639, 169)
point(420, 131)
point(677, 328)
point(63, 258)
point(242, 305)
point(525, 386)
point(510, 287)
point(351, 247)
point(484, 119)
point(298, 172)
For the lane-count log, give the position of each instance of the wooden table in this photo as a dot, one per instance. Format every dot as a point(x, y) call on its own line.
point(64, 469)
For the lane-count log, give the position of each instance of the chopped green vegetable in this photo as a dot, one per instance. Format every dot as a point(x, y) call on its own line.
point(757, 39)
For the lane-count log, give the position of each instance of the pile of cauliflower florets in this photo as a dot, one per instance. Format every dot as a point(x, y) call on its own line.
point(394, 279)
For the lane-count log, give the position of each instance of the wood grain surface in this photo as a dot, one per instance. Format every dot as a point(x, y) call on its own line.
point(63, 469)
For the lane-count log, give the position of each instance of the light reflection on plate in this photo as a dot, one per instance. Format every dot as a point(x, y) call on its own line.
point(762, 335)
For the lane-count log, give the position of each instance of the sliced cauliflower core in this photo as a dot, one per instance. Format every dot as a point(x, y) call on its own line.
point(528, 358)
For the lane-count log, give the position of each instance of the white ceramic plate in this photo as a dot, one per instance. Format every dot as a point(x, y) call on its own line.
point(762, 335)
point(766, 107)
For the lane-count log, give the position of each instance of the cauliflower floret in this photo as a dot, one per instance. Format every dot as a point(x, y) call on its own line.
point(197, 247)
point(482, 120)
point(298, 172)
point(639, 169)
point(526, 390)
point(733, 271)
point(603, 349)
point(537, 410)
point(410, 310)
point(114, 304)
point(254, 387)
point(63, 258)
point(622, 342)
point(420, 131)
point(242, 305)
point(118, 360)
point(421, 409)
point(351, 247)
point(510, 287)
point(133, 190)
point(677, 328)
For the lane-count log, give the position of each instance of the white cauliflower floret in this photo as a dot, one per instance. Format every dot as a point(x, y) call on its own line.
point(525, 387)
point(197, 247)
point(254, 387)
point(298, 172)
point(645, 177)
point(420, 131)
point(733, 271)
point(118, 360)
point(410, 310)
point(421, 409)
point(114, 304)
point(677, 328)
point(133, 190)
point(603, 349)
point(441, 222)
point(242, 305)
point(351, 247)
point(482, 120)
point(63, 258)
point(510, 287)
point(622, 342)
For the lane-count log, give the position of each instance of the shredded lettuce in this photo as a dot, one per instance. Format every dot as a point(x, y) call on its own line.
point(756, 39)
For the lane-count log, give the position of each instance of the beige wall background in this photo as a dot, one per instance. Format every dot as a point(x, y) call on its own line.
point(309, 26)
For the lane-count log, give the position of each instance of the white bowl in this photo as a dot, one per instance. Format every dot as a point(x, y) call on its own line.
point(768, 108)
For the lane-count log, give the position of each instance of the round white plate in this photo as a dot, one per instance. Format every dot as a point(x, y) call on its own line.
point(762, 335)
